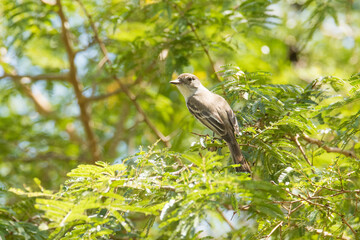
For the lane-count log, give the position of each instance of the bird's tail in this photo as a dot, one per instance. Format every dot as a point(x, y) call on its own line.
point(238, 157)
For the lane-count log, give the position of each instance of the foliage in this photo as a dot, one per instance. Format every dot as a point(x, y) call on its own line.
point(20, 220)
point(84, 84)
point(163, 194)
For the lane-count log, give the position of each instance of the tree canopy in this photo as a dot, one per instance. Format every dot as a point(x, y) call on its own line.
point(96, 144)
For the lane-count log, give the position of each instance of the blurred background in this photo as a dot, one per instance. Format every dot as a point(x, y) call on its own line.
point(88, 81)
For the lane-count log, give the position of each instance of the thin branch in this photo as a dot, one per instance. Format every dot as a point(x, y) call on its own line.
point(193, 29)
point(101, 63)
point(83, 105)
point(46, 77)
point(274, 229)
point(296, 140)
point(48, 156)
point(207, 135)
point(132, 98)
point(324, 233)
point(353, 231)
point(225, 219)
point(306, 199)
point(123, 87)
point(296, 208)
point(244, 207)
point(170, 188)
point(329, 149)
point(42, 105)
point(339, 190)
point(73, 136)
point(155, 177)
point(182, 169)
point(325, 207)
point(286, 202)
point(104, 96)
point(119, 129)
point(86, 47)
point(96, 32)
point(110, 94)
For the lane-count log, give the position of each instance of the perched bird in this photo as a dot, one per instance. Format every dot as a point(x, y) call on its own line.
point(214, 112)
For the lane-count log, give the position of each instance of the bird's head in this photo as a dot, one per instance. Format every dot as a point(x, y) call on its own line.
point(187, 84)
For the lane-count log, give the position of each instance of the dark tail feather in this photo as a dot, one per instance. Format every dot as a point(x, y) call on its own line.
point(238, 157)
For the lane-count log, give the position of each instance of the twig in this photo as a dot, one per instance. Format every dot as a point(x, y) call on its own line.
point(193, 29)
point(183, 169)
point(274, 229)
point(46, 77)
point(325, 207)
point(244, 207)
point(96, 32)
point(86, 47)
point(43, 157)
point(306, 200)
point(42, 105)
point(132, 98)
point(353, 231)
point(83, 105)
point(101, 97)
point(296, 140)
point(327, 148)
point(296, 208)
point(119, 128)
point(226, 220)
point(286, 202)
point(324, 233)
point(338, 190)
point(123, 87)
point(205, 135)
point(216, 138)
point(171, 188)
point(154, 177)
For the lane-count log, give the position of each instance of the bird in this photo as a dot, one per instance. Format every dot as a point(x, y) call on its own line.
point(214, 112)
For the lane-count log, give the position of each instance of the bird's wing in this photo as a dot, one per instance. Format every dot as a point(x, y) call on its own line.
point(210, 119)
point(233, 121)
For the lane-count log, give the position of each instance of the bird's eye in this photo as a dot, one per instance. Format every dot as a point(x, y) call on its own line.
point(189, 79)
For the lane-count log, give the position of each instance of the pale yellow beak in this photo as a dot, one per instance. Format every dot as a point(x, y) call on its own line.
point(176, 81)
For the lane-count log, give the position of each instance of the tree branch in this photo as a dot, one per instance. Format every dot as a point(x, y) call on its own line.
point(296, 140)
point(42, 105)
point(119, 128)
point(46, 76)
point(132, 98)
point(178, 172)
point(352, 230)
point(274, 229)
point(327, 148)
point(104, 96)
point(324, 233)
point(326, 207)
point(84, 111)
point(225, 219)
point(193, 29)
point(123, 87)
point(48, 156)
point(96, 33)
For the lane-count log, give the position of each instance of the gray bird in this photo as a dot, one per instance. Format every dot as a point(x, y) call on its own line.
point(214, 112)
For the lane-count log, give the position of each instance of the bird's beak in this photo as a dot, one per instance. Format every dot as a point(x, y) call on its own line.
point(176, 81)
